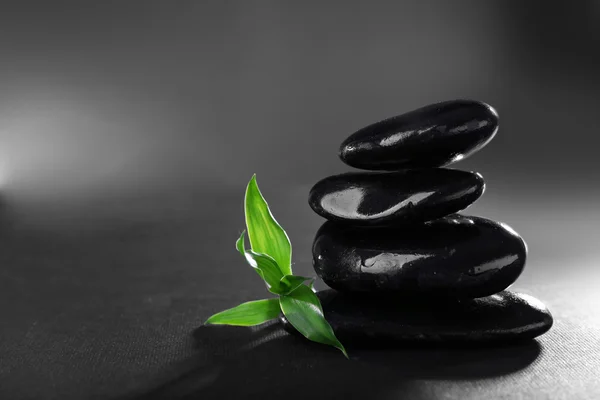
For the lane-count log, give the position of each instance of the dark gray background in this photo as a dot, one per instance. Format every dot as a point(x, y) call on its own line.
point(128, 130)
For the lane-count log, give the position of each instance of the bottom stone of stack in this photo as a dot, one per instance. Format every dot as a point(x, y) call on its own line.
point(502, 317)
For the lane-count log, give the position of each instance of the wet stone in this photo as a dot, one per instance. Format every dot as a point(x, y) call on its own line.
point(432, 136)
point(453, 257)
point(384, 198)
point(500, 318)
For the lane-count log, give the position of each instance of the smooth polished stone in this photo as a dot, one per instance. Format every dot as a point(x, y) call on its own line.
point(456, 256)
point(432, 136)
point(384, 198)
point(502, 317)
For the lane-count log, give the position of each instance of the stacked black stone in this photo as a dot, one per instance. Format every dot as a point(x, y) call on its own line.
point(404, 265)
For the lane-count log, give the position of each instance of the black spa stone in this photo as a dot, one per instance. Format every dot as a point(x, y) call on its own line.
point(432, 136)
point(456, 256)
point(502, 317)
point(384, 198)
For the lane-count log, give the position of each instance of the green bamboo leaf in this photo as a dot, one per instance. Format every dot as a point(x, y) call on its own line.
point(264, 265)
point(303, 310)
point(247, 314)
point(266, 235)
point(267, 269)
point(289, 283)
point(240, 244)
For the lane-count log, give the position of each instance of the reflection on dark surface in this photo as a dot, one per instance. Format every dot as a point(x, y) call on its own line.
point(232, 366)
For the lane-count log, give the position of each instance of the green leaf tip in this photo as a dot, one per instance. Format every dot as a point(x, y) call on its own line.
point(303, 310)
point(265, 234)
point(250, 313)
point(240, 244)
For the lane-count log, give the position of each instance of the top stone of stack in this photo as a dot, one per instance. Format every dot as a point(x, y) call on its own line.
point(432, 136)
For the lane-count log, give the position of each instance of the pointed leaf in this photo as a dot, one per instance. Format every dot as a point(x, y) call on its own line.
point(289, 283)
point(267, 269)
point(247, 314)
point(303, 310)
point(240, 244)
point(263, 264)
point(266, 235)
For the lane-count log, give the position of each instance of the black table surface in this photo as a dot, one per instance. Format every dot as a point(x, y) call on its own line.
point(105, 297)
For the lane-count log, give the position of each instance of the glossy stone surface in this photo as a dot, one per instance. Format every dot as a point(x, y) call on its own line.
point(456, 256)
point(432, 136)
point(502, 317)
point(383, 198)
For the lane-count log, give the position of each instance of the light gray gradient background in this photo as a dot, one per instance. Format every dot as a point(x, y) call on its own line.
point(129, 129)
